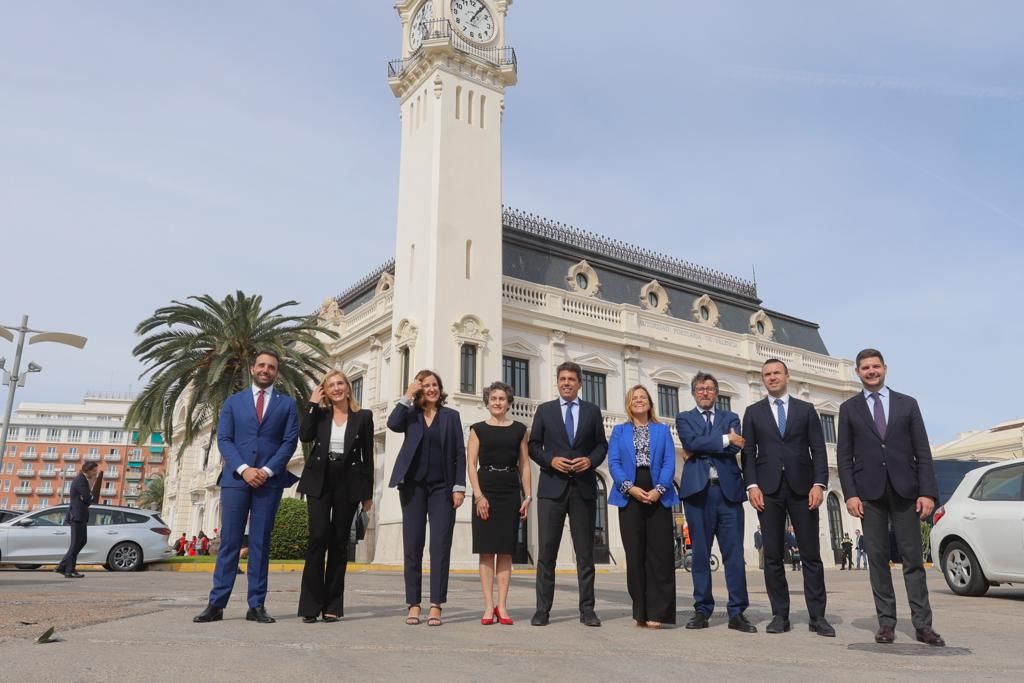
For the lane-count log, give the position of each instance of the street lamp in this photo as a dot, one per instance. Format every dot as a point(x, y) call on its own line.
point(15, 378)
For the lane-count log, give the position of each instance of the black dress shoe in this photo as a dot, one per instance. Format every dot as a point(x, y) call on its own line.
point(885, 635)
point(929, 637)
point(309, 620)
point(540, 619)
point(779, 624)
point(698, 620)
point(74, 575)
point(741, 624)
point(589, 619)
point(330, 618)
point(259, 614)
point(821, 627)
point(211, 613)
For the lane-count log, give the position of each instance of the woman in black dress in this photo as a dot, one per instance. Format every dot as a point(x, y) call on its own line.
point(499, 467)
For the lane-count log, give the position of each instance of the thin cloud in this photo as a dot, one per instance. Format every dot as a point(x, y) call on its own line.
point(920, 86)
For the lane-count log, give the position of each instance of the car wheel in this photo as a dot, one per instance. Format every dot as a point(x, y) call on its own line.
point(28, 566)
point(125, 557)
point(962, 570)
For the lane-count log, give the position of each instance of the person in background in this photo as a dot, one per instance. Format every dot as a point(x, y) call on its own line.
point(192, 546)
point(859, 545)
point(846, 561)
point(84, 490)
point(642, 462)
point(181, 545)
point(759, 547)
point(430, 474)
point(499, 468)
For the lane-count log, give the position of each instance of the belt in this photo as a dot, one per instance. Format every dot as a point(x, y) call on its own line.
point(492, 468)
point(334, 456)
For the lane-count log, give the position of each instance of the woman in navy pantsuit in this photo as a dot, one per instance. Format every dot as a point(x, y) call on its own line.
point(430, 474)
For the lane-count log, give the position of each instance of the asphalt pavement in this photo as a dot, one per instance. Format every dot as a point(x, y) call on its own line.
point(138, 626)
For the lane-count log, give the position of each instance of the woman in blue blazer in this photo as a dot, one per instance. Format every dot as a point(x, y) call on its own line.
point(642, 460)
point(430, 474)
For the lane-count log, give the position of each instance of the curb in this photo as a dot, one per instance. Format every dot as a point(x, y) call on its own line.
point(208, 567)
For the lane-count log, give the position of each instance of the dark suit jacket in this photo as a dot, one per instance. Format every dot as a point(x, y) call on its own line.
point(409, 421)
point(79, 499)
point(316, 427)
point(242, 440)
point(799, 453)
point(706, 448)
point(548, 439)
point(864, 459)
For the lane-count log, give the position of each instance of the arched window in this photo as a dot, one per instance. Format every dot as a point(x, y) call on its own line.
point(601, 552)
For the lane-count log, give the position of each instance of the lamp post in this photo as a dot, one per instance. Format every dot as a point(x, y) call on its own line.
point(15, 378)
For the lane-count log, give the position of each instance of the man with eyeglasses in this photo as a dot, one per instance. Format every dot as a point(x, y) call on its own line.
point(711, 488)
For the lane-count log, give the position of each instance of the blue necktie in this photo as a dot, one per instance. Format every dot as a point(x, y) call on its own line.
point(707, 422)
point(782, 415)
point(570, 424)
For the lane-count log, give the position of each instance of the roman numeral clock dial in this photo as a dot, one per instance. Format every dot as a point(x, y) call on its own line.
point(473, 20)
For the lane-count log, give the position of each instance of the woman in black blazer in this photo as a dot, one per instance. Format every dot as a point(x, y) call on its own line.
point(430, 473)
point(84, 490)
point(337, 478)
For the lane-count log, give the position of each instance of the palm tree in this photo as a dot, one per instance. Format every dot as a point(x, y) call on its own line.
point(153, 495)
point(200, 353)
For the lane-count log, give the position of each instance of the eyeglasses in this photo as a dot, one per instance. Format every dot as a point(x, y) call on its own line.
point(706, 390)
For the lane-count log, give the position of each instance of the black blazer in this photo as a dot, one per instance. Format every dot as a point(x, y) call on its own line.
point(864, 458)
point(799, 453)
point(409, 421)
point(316, 427)
point(548, 439)
point(79, 497)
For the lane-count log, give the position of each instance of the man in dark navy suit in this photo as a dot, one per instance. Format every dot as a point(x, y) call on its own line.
point(885, 468)
point(568, 441)
point(257, 433)
point(712, 491)
point(786, 469)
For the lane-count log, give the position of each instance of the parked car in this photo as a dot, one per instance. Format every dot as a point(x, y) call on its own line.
point(120, 539)
point(979, 533)
point(9, 514)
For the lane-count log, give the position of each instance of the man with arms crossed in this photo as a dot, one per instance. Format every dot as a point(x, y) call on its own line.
point(567, 440)
point(786, 469)
point(256, 435)
point(711, 488)
point(885, 467)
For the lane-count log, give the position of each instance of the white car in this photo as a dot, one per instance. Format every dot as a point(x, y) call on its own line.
point(979, 533)
point(120, 539)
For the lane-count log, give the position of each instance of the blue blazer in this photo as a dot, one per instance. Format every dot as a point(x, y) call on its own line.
point(706, 448)
point(409, 421)
point(622, 462)
point(242, 440)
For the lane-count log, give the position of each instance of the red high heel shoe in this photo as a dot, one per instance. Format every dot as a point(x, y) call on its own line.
point(507, 621)
point(493, 620)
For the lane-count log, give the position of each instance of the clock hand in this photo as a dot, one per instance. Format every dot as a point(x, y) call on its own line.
point(472, 19)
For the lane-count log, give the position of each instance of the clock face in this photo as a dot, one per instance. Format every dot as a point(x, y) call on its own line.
point(473, 20)
point(418, 28)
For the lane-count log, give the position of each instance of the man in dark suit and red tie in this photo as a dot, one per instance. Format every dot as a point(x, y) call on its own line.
point(712, 491)
point(885, 467)
point(568, 441)
point(786, 469)
point(257, 433)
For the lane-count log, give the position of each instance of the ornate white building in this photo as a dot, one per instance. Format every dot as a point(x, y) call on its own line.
point(478, 292)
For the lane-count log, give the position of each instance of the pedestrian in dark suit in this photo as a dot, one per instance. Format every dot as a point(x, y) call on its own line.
point(336, 480)
point(257, 433)
point(430, 474)
point(885, 467)
point(642, 462)
point(84, 489)
point(862, 554)
point(712, 491)
point(786, 469)
point(759, 547)
point(568, 442)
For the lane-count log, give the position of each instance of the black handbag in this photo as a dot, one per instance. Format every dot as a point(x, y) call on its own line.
point(362, 521)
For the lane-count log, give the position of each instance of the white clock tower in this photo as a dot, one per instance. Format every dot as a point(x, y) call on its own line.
point(448, 269)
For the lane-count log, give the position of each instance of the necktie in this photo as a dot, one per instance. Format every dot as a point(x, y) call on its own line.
point(259, 406)
point(570, 424)
point(782, 415)
point(707, 420)
point(879, 414)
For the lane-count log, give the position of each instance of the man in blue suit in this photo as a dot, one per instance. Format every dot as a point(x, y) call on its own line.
point(712, 491)
point(256, 435)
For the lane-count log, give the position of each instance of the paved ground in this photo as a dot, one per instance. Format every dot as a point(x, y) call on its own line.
point(138, 626)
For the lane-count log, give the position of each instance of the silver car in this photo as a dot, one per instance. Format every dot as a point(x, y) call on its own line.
point(120, 539)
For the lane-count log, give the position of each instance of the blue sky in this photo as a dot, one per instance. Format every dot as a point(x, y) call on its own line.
point(866, 159)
